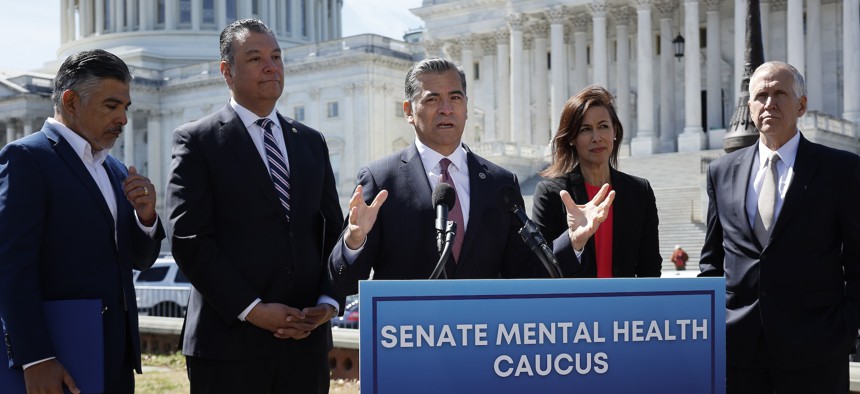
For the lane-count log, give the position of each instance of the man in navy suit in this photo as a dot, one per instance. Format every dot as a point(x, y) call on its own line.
point(73, 224)
point(394, 235)
point(252, 200)
point(784, 229)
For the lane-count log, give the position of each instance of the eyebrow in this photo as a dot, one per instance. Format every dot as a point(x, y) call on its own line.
point(116, 101)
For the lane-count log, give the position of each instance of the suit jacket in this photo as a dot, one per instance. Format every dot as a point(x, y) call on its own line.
point(635, 244)
point(58, 240)
point(801, 290)
point(232, 239)
point(402, 243)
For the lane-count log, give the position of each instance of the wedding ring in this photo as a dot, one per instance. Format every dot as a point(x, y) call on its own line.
point(145, 191)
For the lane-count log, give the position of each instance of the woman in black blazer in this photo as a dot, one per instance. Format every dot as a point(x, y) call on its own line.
point(584, 159)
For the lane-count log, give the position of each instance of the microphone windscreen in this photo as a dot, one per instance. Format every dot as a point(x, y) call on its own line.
point(509, 198)
point(444, 194)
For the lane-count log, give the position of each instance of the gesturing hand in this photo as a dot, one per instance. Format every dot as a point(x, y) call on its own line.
point(583, 220)
point(362, 217)
point(141, 194)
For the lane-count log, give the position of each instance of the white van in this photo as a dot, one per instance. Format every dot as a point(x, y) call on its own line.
point(162, 290)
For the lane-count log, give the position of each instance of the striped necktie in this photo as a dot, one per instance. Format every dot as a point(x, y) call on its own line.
point(277, 165)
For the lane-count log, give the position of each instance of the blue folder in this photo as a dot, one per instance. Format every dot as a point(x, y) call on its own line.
point(75, 327)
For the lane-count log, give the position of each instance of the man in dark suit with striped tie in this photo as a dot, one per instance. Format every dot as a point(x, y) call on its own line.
point(254, 210)
point(784, 229)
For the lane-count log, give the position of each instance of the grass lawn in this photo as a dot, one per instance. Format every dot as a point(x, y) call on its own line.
point(165, 374)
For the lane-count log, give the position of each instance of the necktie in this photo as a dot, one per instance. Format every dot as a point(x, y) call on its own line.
point(455, 213)
point(767, 202)
point(277, 164)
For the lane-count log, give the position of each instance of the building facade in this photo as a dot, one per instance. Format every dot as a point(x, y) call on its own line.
point(525, 58)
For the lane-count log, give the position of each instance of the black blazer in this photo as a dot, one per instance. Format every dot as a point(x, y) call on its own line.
point(57, 243)
point(233, 241)
point(402, 243)
point(635, 244)
point(801, 290)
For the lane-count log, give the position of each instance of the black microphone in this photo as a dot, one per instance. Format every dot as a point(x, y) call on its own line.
point(444, 197)
point(512, 201)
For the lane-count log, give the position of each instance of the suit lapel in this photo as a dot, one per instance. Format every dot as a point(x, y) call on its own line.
point(413, 172)
point(741, 171)
point(576, 187)
point(480, 198)
point(805, 165)
point(620, 207)
point(64, 150)
point(236, 137)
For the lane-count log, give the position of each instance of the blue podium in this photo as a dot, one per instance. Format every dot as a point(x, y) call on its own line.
point(543, 336)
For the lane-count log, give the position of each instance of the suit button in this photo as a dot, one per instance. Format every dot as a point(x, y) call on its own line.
point(291, 234)
point(764, 294)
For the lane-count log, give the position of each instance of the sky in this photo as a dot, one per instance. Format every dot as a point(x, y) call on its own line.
point(30, 29)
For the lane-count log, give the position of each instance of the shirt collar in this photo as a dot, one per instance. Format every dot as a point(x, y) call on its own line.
point(431, 158)
point(81, 147)
point(787, 152)
point(248, 118)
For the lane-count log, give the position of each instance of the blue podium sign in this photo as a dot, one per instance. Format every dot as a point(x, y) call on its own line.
point(543, 336)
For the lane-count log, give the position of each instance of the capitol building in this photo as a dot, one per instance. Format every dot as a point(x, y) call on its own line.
point(523, 59)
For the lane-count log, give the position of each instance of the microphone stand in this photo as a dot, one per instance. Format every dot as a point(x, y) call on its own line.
point(446, 247)
point(544, 254)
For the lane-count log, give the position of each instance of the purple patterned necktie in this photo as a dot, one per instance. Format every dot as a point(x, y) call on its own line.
point(277, 165)
point(455, 213)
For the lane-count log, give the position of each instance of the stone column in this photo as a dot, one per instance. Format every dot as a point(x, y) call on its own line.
point(503, 75)
point(580, 45)
point(740, 43)
point(713, 74)
point(196, 14)
point(171, 14)
point(153, 152)
point(350, 163)
point(119, 15)
point(100, 17)
point(814, 75)
point(26, 127)
point(851, 52)
point(296, 18)
point(10, 130)
point(221, 14)
point(282, 19)
point(488, 46)
point(518, 94)
point(598, 49)
point(668, 132)
point(64, 22)
point(646, 141)
point(467, 61)
point(693, 139)
point(324, 21)
point(623, 15)
point(311, 20)
point(796, 51)
point(273, 16)
point(542, 132)
point(130, 16)
point(128, 138)
point(764, 18)
point(558, 87)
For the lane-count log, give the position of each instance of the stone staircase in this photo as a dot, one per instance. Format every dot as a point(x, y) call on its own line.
point(678, 180)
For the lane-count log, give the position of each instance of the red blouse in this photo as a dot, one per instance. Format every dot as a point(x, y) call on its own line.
point(602, 238)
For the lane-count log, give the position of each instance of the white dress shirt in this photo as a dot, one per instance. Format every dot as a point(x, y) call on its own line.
point(784, 168)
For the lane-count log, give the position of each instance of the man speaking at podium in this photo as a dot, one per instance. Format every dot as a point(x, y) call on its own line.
point(395, 236)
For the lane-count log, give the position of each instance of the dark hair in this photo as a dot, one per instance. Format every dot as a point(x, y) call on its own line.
point(237, 30)
point(564, 156)
point(82, 71)
point(431, 65)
